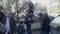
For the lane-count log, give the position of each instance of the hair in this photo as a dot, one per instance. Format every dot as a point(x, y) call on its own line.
point(40, 14)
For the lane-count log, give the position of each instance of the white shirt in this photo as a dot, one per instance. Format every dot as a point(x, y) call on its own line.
point(7, 25)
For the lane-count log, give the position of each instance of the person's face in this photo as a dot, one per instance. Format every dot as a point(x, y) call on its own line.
point(40, 16)
point(7, 14)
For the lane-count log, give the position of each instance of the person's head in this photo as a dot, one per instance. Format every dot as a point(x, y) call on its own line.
point(45, 15)
point(22, 16)
point(27, 13)
point(30, 4)
point(7, 13)
point(40, 14)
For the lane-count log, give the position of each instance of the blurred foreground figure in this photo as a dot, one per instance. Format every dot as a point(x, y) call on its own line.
point(45, 25)
point(9, 23)
point(2, 26)
point(20, 28)
point(1, 13)
point(41, 18)
point(28, 18)
point(28, 22)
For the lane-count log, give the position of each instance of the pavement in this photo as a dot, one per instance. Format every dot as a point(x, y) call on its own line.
point(34, 32)
point(35, 28)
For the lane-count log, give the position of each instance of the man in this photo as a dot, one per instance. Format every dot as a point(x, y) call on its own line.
point(9, 23)
point(45, 25)
point(20, 28)
point(28, 22)
point(1, 13)
point(2, 27)
point(28, 18)
point(41, 18)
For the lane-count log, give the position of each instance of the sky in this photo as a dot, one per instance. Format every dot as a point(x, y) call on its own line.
point(45, 2)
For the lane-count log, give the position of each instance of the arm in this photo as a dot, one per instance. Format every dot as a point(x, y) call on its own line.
point(14, 25)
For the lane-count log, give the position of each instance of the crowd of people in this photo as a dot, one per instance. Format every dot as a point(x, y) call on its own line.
point(12, 26)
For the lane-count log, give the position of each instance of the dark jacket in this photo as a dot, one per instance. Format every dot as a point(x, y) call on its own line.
point(45, 25)
point(12, 24)
point(20, 28)
point(27, 21)
point(1, 15)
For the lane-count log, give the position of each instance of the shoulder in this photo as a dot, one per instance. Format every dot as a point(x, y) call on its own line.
point(12, 18)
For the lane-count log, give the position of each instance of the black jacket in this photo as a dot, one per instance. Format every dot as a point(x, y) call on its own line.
point(1, 15)
point(12, 24)
point(27, 21)
point(46, 22)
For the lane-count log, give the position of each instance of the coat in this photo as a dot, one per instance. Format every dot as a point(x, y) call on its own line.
point(45, 25)
point(1, 15)
point(12, 24)
point(2, 28)
point(28, 20)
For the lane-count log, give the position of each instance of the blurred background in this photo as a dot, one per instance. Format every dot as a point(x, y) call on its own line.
point(49, 6)
point(52, 7)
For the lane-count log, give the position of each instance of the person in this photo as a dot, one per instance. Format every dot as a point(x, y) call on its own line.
point(20, 28)
point(1, 13)
point(45, 25)
point(31, 8)
point(41, 18)
point(28, 22)
point(28, 18)
point(2, 27)
point(9, 23)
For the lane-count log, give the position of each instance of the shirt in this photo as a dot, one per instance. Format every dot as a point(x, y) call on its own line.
point(7, 25)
